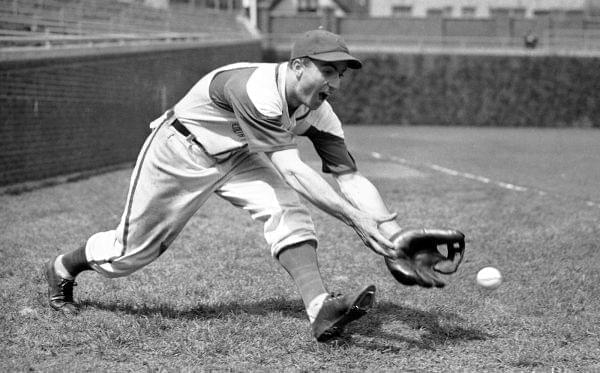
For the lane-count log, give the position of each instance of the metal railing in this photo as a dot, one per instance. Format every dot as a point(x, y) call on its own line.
point(46, 41)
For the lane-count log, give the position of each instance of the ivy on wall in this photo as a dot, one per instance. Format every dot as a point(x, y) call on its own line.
point(474, 90)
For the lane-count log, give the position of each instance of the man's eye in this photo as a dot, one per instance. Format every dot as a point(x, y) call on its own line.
point(333, 73)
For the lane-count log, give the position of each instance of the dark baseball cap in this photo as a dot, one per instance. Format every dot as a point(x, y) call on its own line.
point(323, 45)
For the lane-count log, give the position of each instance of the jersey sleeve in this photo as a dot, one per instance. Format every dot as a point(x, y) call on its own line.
point(263, 129)
point(335, 157)
point(324, 130)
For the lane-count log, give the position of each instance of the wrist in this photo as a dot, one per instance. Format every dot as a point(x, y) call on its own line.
point(389, 228)
point(350, 215)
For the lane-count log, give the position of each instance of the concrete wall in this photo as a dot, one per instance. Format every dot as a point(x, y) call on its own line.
point(432, 26)
point(389, 26)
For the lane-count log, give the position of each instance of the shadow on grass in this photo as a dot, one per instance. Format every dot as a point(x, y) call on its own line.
point(287, 308)
point(436, 329)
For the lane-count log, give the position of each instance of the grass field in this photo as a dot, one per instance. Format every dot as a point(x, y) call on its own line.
point(216, 300)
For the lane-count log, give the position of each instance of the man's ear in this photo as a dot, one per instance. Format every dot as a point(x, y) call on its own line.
point(297, 66)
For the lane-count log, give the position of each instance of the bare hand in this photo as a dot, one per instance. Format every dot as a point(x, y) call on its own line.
point(367, 228)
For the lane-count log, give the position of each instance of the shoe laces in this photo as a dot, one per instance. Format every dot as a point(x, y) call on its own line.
point(66, 290)
point(334, 297)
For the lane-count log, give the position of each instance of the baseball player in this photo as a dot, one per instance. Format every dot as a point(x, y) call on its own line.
point(234, 134)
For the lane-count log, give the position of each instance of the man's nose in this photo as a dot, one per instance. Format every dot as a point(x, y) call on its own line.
point(334, 82)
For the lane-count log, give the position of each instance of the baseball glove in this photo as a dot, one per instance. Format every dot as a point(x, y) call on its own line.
point(418, 259)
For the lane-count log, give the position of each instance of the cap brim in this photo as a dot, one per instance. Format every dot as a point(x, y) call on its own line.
point(351, 62)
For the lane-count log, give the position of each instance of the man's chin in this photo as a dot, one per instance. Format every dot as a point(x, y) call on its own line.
point(315, 105)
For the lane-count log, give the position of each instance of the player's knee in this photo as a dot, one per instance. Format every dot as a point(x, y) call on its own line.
point(102, 247)
point(106, 255)
point(125, 267)
point(121, 267)
point(292, 238)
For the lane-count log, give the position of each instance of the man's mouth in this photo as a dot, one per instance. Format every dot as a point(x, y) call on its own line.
point(323, 96)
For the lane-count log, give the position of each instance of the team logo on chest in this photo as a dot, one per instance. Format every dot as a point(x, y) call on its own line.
point(235, 128)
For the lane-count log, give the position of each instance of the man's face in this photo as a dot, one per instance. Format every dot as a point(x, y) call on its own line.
point(319, 79)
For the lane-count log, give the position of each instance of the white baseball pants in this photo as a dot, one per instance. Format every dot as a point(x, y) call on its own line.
point(171, 180)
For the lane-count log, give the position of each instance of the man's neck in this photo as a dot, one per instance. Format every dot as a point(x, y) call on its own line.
point(290, 94)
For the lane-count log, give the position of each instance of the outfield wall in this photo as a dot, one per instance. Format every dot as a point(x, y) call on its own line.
point(65, 113)
point(76, 113)
point(472, 90)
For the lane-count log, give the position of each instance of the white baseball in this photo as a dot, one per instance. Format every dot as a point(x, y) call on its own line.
point(489, 278)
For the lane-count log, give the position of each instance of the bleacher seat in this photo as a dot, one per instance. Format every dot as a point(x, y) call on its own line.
point(24, 20)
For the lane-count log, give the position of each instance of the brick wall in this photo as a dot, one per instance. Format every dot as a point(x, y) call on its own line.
point(388, 26)
point(371, 27)
point(67, 115)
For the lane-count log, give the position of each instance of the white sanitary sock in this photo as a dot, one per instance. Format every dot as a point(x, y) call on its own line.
point(315, 306)
point(61, 270)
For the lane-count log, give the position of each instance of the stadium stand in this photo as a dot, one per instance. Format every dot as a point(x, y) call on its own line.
point(59, 22)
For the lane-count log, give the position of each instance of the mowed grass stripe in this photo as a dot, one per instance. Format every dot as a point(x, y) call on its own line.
point(478, 178)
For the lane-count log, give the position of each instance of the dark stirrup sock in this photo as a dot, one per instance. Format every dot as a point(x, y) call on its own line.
point(75, 261)
point(300, 261)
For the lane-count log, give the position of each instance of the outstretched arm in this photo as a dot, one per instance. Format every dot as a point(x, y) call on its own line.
point(363, 195)
point(312, 186)
point(418, 259)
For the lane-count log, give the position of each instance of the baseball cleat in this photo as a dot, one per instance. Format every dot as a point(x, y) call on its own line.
point(338, 310)
point(60, 291)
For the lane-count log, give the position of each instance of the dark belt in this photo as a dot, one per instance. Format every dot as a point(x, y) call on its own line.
point(185, 132)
